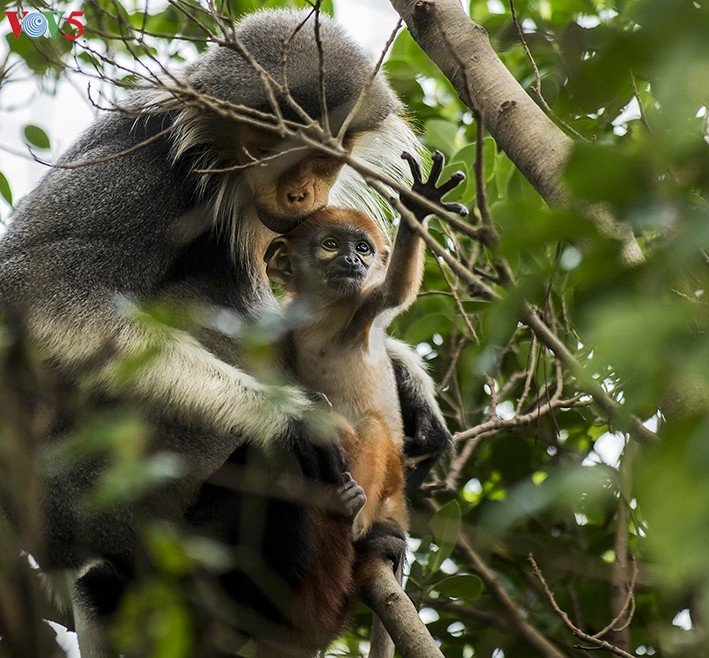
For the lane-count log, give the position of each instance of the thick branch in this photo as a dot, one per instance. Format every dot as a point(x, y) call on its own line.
point(384, 595)
point(537, 147)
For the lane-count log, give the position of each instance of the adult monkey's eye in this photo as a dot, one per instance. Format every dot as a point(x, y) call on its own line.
point(363, 248)
point(330, 244)
point(267, 152)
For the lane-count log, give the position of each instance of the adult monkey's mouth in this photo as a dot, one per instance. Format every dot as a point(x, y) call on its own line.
point(281, 225)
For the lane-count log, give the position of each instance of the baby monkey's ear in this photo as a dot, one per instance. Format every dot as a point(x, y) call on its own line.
point(384, 254)
point(278, 264)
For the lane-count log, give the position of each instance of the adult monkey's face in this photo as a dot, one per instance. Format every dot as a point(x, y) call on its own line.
point(289, 181)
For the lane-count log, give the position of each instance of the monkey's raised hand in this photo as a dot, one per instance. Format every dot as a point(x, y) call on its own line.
point(428, 188)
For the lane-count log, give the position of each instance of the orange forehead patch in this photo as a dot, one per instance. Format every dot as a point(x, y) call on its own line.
point(332, 215)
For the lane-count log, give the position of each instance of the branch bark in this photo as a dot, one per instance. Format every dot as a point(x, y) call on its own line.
point(384, 595)
point(539, 149)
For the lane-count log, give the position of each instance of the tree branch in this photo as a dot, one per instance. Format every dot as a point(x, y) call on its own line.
point(517, 620)
point(594, 641)
point(387, 599)
point(537, 147)
point(625, 421)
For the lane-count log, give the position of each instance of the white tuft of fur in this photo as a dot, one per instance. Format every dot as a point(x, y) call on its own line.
point(59, 587)
point(181, 375)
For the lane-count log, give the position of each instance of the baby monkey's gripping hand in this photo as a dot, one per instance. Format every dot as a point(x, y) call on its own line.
point(428, 188)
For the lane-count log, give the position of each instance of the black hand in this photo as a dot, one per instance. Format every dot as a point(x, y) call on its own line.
point(426, 436)
point(319, 459)
point(428, 188)
point(322, 460)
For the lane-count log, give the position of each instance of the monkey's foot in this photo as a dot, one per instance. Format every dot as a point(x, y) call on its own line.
point(351, 496)
point(385, 540)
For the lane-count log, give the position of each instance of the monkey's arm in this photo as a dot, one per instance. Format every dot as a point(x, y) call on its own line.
point(426, 436)
point(403, 276)
point(172, 376)
point(89, 240)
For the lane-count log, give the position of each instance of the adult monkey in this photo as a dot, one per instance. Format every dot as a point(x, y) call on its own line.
point(148, 226)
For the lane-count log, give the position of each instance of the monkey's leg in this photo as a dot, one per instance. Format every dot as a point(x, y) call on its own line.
point(369, 467)
point(394, 505)
point(96, 596)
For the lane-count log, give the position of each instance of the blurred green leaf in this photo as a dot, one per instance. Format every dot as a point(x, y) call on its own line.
point(445, 526)
point(466, 587)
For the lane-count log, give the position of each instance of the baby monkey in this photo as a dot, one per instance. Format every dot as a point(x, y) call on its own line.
point(337, 262)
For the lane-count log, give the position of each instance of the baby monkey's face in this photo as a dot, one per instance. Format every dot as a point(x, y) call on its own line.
point(342, 260)
point(335, 254)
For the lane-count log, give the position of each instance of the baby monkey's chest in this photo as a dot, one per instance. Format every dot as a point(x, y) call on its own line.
point(358, 382)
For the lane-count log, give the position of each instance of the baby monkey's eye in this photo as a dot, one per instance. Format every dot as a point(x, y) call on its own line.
point(363, 248)
point(330, 244)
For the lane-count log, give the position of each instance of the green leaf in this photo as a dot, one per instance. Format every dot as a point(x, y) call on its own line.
point(5, 189)
point(467, 587)
point(441, 135)
point(445, 526)
point(35, 136)
point(424, 327)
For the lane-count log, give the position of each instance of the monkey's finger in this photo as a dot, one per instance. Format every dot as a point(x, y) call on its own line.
point(414, 166)
point(319, 398)
point(351, 496)
point(436, 167)
point(456, 208)
point(456, 179)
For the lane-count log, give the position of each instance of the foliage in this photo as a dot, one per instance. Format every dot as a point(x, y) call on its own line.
point(538, 468)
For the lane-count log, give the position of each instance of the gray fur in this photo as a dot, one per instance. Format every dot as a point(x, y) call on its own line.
point(90, 243)
point(264, 38)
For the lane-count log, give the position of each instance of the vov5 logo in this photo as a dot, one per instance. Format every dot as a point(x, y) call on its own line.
point(37, 24)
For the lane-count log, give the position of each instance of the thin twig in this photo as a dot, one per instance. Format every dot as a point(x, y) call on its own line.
point(537, 88)
point(577, 632)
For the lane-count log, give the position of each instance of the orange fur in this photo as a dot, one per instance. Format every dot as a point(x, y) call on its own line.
point(376, 461)
point(333, 215)
point(341, 352)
